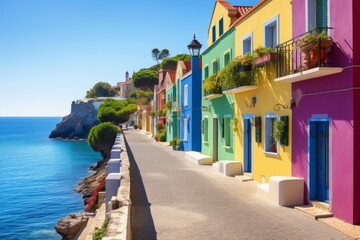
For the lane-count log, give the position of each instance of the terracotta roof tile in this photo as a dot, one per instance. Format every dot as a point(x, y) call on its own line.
point(249, 11)
point(242, 10)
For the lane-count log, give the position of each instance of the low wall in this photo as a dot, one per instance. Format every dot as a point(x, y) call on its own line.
point(119, 214)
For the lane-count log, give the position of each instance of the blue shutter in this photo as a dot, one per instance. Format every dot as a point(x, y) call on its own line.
point(321, 155)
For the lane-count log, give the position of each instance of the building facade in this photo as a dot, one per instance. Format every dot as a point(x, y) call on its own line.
point(325, 119)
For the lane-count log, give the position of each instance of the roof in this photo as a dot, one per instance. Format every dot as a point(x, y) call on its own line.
point(249, 11)
point(234, 12)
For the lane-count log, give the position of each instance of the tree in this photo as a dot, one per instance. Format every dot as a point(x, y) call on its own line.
point(170, 63)
point(141, 97)
point(159, 55)
point(145, 79)
point(116, 111)
point(101, 89)
point(102, 138)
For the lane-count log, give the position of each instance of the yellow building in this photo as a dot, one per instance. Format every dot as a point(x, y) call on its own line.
point(259, 107)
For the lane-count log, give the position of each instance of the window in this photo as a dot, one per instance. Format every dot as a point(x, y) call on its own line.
point(247, 43)
point(221, 27)
point(270, 142)
point(206, 72)
point(271, 32)
point(227, 132)
point(215, 67)
point(206, 129)
point(316, 14)
point(226, 58)
point(185, 129)
point(213, 33)
point(186, 95)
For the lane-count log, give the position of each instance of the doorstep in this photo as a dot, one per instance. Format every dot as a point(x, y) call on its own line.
point(245, 178)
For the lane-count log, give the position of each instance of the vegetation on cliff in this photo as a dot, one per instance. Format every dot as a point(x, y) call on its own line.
point(116, 111)
point(101, 89)
point(145, 79)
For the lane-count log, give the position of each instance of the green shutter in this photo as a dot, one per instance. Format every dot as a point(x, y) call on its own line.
point(258, 129)
point(284, 140)
point(321, 13)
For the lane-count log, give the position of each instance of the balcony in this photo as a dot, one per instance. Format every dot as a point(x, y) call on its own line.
point(305, 57)
point(208, 95)
point(241, 82)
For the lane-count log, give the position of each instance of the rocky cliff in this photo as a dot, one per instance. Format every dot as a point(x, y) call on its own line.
point(78, 123)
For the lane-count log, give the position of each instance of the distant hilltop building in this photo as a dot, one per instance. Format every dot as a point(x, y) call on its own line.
point(124, 88)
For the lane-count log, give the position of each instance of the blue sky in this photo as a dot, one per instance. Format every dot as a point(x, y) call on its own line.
point(53, 51)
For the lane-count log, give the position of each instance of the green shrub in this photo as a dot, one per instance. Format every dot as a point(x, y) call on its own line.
point(102, 137)
point(162, 135)
point(212, 84)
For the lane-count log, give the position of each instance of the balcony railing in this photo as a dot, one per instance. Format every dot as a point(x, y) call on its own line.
point(304, 52)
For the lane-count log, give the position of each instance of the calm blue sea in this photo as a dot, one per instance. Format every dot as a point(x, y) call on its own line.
point(37, 177)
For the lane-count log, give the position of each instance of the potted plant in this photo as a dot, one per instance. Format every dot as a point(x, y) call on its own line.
point(247, 61)
point(264, 55)
point(279, 130)
point(212, 85)
point(231, 76)
point(175, 143)
point(311, 44)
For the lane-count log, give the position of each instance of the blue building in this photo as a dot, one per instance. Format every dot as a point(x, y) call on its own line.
point(191, 93)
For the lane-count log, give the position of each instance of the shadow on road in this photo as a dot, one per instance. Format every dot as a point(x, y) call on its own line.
point(142, 224)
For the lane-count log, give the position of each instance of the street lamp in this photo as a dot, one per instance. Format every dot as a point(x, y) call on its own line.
point(194, 47)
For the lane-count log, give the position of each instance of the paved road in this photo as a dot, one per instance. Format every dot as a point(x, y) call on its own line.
point(175, 199)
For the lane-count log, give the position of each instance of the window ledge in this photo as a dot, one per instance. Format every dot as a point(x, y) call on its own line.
point(227, 147)
point(271, 153)
point(206, 142)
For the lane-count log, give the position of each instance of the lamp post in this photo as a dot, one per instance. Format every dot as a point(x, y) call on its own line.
point(194, 47)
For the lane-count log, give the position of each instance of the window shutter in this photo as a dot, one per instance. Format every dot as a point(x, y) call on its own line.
point(258, 129)
point(222, 127)
point(321, 13)
point(284, 140)
point(202, 126)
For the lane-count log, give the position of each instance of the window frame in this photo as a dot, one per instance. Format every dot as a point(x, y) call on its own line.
point(213, 31)
point(185, 137)
point(267, 132)
point(310, 14)
point(228, 52)
point(206, 129)
point(215, 63)
point(186, 95)
point(206, 71)
point(246, 38)
point(272, 22)
point(227, 131)
point(221, 26)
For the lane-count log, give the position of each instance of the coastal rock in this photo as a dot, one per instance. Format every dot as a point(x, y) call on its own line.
point(89, 184)
point(78, 123)
point(69, 226)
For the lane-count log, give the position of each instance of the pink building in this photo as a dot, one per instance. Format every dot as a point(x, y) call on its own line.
point(325, 89)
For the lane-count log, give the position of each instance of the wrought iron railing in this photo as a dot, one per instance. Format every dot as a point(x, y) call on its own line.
point(309, 50)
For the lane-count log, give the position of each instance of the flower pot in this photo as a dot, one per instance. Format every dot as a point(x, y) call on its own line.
point(263, 59)
point(310, 54)
point(273, 148)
